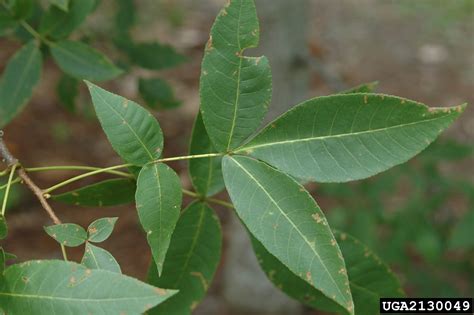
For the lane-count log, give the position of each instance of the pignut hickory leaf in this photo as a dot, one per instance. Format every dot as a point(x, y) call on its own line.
point(19, 78)
point(191, 261)
point(98, 258)
point(67, 234)
point(341, 138)
point(205, 173)
point(158, 199)
point(133, 132)
point(100, 229)
point(45, 287)
point(235, 90)
point(281, 214)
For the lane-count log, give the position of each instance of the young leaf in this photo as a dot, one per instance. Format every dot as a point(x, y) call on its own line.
point(369, 278)
point(3, 227)
point(62, 4)
point(341, 138)
point(82, 61)
point(157, 93)
point(235, 90)
point(191, 261)
point(57, 23)
point(68, 234)
point(158, 201)
point(98, 258)
point(21, 75)
point(100, 229)
point(154, 56)
point(133, 132)
point(363, 88)
point(205, 173)
point(58, 287)
point(111, 192)
point(281, 214)
point(67, 90)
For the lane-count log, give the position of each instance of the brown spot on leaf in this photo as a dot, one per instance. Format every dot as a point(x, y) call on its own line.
point(317, 217)
point(161, 291)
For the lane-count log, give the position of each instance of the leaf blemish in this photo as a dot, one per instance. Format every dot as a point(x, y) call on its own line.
point(317, 217)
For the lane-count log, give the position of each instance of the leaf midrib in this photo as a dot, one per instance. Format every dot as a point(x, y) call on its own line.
point(294, 226)
point(59, 298)
point(339, 135)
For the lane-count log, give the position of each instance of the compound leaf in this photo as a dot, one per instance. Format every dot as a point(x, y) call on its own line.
point(235, 90)
point(111, 192)
point(21, 75)
point(341, 138)
point(100, 229)
point(67, 234)
point(98, 258)
point(133, 132)
point(205, 173)
point(158, 199)
point(58, 287)
point(191, 261)
point(82, 61)
point(281, 214)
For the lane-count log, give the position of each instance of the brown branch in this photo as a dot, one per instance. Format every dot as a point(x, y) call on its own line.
point(11, 160)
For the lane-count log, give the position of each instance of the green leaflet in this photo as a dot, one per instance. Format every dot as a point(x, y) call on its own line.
point(82, 61)
point(67, 90)
point(281, 214)
point(369, 278)
point(154, 56)
point(109, 192)
point(157, 93)
point(98, 258)
point(191, 261)
point(62, 4)
point(133, 132)
point(3, 227)
point(58, 287)
point(363, 88)
point(341, 138)
point(158, 199)
point(461, 235)
point(235, 90)
point(68, 234)
point(100, 229)
point(205, 173)
point(57, 23)
point(2, 264)
point(21, 75)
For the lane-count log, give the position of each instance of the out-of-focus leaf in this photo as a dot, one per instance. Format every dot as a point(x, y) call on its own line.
point(158, 201)
point(157, 93)
point(98, 258)
point(68, 89)
point(21, 75)
point(100, 229)
point(21, 9)
point(62, 4)
point(346, 137)
point(461, 236)
point(59, 287)
point(83, 62)
point(110, 192)
point(235, 90)
point(57, 23)
point(191, 261)
point(447, 150)
point(67, 234)
point(3, 227)
point(154, 56)
point(2, 263)
point(281, 214)
point(7, 22)
point(125, 17)
point(133, 132)
point(363, 88)
point(205, 173)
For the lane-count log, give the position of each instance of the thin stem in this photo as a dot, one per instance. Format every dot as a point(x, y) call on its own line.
point(63, 250)
point(191, 194)
point(188, 157)
point(211, 200)
point(79, 177)
point(16, 180)
point(75, 168)
point(7, 191)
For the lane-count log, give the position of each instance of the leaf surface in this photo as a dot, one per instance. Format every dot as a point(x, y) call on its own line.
point(235, 90)
point(57, 287)
point(19, 78)
point(157, 93)
point(341, 138)
point(281, 214)
point(111, 192)
point(100, 229)
point(98, 258)
point(205, 173)
point(191, 261)
point(67, 234)
point(67, 90)
point(3, 227)
point(82, 61)
point(158, 199)
point(133, 132)
point(62, 4)
point(154, 56)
